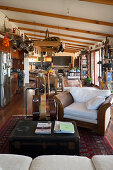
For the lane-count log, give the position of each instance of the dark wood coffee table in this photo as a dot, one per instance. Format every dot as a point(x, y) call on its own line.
point(23, 140)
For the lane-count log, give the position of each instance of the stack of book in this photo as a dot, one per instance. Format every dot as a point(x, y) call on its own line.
point(63, 127)
point(43, 128)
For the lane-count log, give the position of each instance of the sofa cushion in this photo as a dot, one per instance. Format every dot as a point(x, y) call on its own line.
point(83, 94)
point(79, 111)
point(61, 162)
point(103, 162)
point(95, 102)
point(14, 162)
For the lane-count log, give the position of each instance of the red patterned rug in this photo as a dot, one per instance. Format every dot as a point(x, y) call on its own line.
point(90, 143)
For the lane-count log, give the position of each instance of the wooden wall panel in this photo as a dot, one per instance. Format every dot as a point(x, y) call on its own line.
point(18, 64)
point(76, 62)
point(14, 54)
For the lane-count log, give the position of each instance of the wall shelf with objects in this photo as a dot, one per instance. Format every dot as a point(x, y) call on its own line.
point(107, 66)
point(10, 34)
point(83, 66)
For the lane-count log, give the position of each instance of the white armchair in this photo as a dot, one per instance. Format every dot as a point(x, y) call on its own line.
point(88, 106)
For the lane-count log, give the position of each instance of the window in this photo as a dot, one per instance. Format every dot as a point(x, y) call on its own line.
point(92, 66)
point(97, 67)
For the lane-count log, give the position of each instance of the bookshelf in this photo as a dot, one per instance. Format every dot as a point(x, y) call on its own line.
point(83, 67)
point(107, 67)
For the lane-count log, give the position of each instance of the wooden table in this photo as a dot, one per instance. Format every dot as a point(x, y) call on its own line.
point(23, 140)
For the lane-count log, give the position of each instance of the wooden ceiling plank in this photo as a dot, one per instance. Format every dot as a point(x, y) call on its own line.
point(76, 45)
point(62, 28)
point(72, 47)
point(76, 49)
point(57, 15)
point(59, 34)
point(107, 2)
point(80, 42)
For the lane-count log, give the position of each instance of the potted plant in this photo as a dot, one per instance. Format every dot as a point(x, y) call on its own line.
point(77, 69)
point(88, 81)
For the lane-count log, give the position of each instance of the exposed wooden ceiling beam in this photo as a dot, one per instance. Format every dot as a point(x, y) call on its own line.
point(62, 28)
point(59, 34)
point(56, 15)
point(66, 46)
point(36, 35)
point(72, 47)
point(76, 45)
point(107, 2)
point(80, 42)
point(76, 49)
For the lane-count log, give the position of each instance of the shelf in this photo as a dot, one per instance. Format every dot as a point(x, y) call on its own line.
point(84, 67)
point(9, 34)
point(84, 64)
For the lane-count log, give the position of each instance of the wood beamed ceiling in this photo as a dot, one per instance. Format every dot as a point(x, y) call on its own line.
point(59, 27)
point(36, 35)
point(75, 39)
point(107, 2)
point(56, 15)
point(59, 34)
point(70, 44)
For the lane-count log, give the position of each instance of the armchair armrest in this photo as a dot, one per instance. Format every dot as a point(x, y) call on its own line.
point(103, 115)
point(63, 100)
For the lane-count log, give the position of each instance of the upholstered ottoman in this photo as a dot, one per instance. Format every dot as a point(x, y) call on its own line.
point(14, 162)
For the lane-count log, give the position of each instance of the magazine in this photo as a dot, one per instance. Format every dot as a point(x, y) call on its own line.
point(63, 127)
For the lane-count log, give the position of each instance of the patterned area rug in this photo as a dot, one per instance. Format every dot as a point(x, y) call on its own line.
point(90, 143)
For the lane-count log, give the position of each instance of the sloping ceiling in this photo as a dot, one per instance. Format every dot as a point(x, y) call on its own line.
point(78, 23)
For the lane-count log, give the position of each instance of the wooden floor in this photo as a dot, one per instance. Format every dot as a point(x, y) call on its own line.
point(17, 107)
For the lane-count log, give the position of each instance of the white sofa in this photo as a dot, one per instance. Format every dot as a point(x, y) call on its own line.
point(89, 106)
point(55, 162)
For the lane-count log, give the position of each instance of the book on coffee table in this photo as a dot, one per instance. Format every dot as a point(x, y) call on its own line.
point(44, 125)
point(63, 127)
point(43, 131)
point(43, 128)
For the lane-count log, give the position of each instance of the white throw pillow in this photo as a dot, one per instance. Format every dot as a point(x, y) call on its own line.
point(95, 102)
